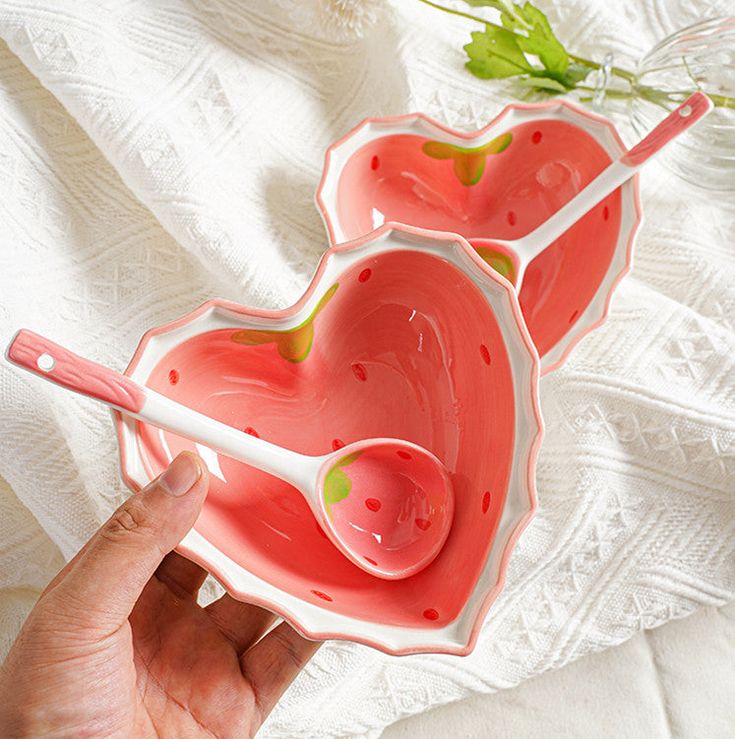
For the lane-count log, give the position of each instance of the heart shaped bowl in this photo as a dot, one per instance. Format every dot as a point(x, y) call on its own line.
point(500, 182)
point(403, 333)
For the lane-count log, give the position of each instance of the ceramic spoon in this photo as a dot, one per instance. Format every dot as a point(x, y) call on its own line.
point(511, 258)
point(386, 504)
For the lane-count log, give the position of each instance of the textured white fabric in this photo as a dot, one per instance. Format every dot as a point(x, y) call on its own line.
point(675, 681)
point(153, 155)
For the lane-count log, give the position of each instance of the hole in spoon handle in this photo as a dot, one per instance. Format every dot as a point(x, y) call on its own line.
point(678, 121)
point(52, 362)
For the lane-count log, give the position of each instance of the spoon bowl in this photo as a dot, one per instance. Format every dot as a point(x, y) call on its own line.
point(387, 504)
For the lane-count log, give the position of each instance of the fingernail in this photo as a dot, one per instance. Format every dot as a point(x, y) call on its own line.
point(181, 475)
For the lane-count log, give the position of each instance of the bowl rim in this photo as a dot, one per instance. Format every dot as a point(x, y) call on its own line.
point(331, 174)
point(448, 241)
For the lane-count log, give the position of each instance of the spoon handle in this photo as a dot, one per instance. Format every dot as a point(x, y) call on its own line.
point(679, 120)
point(613, 176)
point(59, 365)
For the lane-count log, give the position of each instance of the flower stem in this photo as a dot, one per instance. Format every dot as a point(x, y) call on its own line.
point(452, 11)
point(617, 71)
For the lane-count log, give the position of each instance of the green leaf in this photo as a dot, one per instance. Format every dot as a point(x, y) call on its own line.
point(494, 54)
point(538, 38)
point(576, 73)
point(542, 83)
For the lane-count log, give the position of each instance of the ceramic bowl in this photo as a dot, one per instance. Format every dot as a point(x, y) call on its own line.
point(404, 333)
point(500, 182)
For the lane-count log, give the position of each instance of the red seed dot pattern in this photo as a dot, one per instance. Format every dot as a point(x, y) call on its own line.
point(373, 504)
point(374, 162)
point(364, 276)
point(337, 444)
point(486, 501)
point(321, 595)
point(485, 354)
point(250, 430)
point(536, 137)
point(173, 376)
point(423, 523)
point(359, 371)
point(431, 614)
point(511, 218)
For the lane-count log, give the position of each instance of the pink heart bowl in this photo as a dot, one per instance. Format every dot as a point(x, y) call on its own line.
point(497, 183)
point(403, 333)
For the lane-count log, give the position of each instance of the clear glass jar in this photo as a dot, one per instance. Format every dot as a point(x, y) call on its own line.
point(699, 57)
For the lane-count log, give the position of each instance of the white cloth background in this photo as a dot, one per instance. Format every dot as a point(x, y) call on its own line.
point(153, 155)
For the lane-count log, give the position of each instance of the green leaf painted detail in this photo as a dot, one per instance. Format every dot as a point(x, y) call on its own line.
point(500, 262)
point(294, 344)
point(469, 162)
point(337, 484)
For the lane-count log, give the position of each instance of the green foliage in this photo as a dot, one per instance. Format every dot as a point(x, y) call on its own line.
point(523, 46)
point(540, 40)
point(511, 50)
point(494, 54)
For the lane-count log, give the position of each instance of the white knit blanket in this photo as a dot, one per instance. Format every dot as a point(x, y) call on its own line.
point(153, 155)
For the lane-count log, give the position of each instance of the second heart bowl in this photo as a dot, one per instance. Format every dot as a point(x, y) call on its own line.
point(497, 183)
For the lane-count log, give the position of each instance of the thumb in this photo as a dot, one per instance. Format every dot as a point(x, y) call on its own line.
point(106, 579)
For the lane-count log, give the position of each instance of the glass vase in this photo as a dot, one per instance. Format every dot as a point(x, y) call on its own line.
point(699, 57)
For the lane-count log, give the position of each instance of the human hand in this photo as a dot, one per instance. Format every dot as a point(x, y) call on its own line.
point(118, 646)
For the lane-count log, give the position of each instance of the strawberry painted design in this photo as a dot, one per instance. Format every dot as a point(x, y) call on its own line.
point(469, 162)
point(293, 344)
point(386, 530)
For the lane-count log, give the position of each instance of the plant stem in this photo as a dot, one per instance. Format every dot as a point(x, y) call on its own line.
point(451, 11)
point(617, 71)
point(621, 94)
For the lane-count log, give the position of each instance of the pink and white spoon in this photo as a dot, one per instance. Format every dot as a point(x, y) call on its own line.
point(511, 258)
point(386, 504)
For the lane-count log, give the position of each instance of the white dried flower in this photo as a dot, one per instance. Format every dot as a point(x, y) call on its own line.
point(350, 18)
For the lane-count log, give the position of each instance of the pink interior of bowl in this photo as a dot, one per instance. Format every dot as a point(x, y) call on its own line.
point(546, 163)
point(406, 347)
